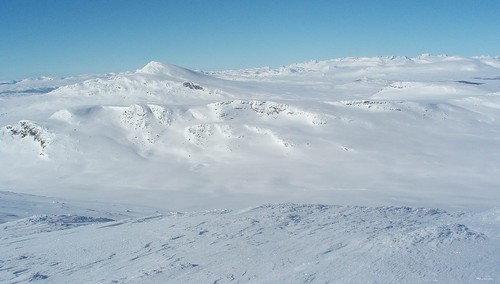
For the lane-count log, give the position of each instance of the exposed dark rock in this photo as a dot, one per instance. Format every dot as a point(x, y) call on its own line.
point(192, 86)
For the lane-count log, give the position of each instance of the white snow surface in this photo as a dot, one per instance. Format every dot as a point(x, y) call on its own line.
point(355, 131)
point(385, 139)
point(275, 243)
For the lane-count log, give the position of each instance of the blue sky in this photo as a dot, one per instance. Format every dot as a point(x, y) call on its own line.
point(68, 37)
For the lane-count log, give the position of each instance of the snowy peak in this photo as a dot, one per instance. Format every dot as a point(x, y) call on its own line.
point(154, 82)
point(156, 67)
point(413, 128)
point(171, 70)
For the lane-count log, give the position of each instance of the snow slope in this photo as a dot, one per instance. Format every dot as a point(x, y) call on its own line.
point(286, 243)
point(356, 131)
point(141, 176)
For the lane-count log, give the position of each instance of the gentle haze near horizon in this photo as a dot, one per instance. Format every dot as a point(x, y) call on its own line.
point(62, 38)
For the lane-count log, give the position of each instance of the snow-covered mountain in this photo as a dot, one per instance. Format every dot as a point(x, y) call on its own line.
point(379, 137)
point(357, 131)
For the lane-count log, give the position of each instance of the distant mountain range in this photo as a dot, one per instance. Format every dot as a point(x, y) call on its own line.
point(367, 131)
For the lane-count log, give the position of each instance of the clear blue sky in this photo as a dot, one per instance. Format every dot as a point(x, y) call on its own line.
point(67, 37)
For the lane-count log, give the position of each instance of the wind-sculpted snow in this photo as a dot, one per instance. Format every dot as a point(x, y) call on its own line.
point(276, 243)
point(17, 207)
point(48, 223)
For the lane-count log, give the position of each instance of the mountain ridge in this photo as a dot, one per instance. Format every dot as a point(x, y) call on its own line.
point(247, 133)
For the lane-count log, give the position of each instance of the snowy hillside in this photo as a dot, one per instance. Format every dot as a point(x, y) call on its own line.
point(356, 131)
point(93, 166)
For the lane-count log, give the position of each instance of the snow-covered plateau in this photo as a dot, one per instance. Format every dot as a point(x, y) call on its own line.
point(169, 175)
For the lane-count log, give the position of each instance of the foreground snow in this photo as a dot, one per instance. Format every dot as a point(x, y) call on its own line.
point(285, 243)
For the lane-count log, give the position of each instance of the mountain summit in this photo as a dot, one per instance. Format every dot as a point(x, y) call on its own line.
point(171, 70)
point(419, 132)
